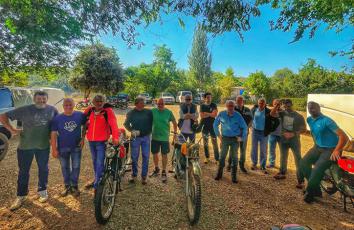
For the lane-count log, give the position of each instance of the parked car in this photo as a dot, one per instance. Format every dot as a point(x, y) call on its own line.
point(198, 99)
point(181, 95)
point(6, 104)
point(168, 98)
point(147, 98)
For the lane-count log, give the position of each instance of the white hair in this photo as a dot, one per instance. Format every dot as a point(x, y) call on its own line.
point(229, 102)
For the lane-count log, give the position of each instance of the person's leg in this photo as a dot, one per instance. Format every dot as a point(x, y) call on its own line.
point(234, 153)
point(145, 150)
point(263, 150)
point(318, 170)
point(272, 142)
point(64, 158)
point(192, 137)
point(24, 158)
point(295, 146)
point(243, 147)
point(284, 153)
point(254, 148)
point(214, 142)
point(93, 151)
point(308, 160)
point(101, 155)
point(135, 155)
point(205, 134)
point(224, 150)
point(155, 149)
point(165, 150)
point(76, 165)
point(42, 158)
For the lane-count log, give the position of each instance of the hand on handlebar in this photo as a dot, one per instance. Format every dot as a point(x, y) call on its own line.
point(336, 154)
point(115, 142)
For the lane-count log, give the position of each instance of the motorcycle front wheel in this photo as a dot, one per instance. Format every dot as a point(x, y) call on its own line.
point(194, 196)
point(105, 198)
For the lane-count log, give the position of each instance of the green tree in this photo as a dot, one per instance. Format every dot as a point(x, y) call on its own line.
point(97, 69)
point(199, 59)
point(258, 84)
point(280, 82)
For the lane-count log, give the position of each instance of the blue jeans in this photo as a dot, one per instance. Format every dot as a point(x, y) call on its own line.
point(25, 158)
point(229, 145)
point(258, 137)
point(144, 144)
point(98, 151)
point(272, 142)
point(70, 174)
point(190, 136)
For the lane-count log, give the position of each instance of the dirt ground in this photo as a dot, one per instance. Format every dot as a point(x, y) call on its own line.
point(256, 202)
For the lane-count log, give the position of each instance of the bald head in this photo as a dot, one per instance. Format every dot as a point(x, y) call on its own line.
point(160, 104)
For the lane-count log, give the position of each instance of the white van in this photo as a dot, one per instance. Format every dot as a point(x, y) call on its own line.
point(181, 95)
point(339, 107)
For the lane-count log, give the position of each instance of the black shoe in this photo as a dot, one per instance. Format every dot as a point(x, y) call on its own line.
point(155, 173)
point(233, 175)
point(264, 170)
point(66, 191)
point(309, 198)
point(75, 191)
point(254, 167)
point(243, 169)
point(219, 174)
point(89, 185)
point(163, 176)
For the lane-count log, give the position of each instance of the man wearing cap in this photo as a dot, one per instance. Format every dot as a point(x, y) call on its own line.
point(233, 131)
point(292, 125)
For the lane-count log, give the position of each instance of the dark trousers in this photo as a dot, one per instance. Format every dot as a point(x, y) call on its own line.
point(320, 158)
point(25, 158)
point(206, 133)
point(229, 144)
point(295, 146)
point(243, 147)
point(190, 136)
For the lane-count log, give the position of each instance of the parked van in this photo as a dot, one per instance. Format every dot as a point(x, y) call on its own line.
point(181, 95)
point(339, 107)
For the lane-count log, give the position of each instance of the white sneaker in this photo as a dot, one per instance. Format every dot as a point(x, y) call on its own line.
point(17, 203)
point(43, 196)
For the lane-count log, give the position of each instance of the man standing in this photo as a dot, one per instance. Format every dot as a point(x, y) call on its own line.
point(188, 114)
point(292, 125)
point(263, 124)
point(233, 131)
point(34, 142)
point(208, 112)
point(140, 119)
point(274, 137)
point(247, 117)
point(160, 136)
point(67, 141)
point(329, 141)
point(101, 124)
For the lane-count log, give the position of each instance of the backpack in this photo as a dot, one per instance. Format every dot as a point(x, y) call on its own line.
point(104, 113)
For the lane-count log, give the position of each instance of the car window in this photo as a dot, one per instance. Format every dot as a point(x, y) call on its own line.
point(185, 93)
point(6, 99)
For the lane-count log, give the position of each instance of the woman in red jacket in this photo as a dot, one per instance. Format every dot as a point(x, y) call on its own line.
point(101, 124)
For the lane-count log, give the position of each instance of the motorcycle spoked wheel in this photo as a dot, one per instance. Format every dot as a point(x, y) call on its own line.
point(194, 197)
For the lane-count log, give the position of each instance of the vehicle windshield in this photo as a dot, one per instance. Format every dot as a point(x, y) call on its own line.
point(144, 95)
point(122, 95)
point(167, 95)
point(185, 93)
point(5, 99)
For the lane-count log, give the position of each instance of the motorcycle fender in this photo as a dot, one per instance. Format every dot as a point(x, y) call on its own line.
point(196, 168)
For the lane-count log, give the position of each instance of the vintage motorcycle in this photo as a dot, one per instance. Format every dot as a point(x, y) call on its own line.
point(185, 163)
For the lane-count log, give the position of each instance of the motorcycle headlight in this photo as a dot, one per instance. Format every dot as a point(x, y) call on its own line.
point(110, 152)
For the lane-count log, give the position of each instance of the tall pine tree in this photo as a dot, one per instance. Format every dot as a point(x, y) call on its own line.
point(199, 59)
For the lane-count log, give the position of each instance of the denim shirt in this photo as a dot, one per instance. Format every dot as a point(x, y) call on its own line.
point(231, 125)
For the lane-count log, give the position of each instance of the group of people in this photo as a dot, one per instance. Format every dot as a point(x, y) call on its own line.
point(43, 127)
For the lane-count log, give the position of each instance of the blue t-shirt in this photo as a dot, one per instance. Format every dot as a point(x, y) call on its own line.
point(323, 130)
point(69, 130)
point(259, 119)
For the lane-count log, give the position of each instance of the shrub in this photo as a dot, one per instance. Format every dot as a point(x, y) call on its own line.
point(300, 103)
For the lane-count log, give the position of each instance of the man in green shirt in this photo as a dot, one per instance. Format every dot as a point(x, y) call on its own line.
point(160, 136)
point(34, 142)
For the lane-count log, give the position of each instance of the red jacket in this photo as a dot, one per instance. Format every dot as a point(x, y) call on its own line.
point(101, 126)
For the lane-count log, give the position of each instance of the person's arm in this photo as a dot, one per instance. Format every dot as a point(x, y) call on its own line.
point(195, 115)
point(127, 122)
point(112, 121)
point(53, 143)
point(337, 152)
point(244, 127)
point(214, 113)
point(4, 119)
point(216, 126)
point(302, 125)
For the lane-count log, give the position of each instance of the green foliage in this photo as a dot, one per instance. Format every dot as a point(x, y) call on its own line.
point(199, 59)
point(299, 104)
point(97, 69)
point(258, 84)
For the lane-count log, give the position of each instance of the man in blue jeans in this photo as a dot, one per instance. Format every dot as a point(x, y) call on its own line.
point(139, 120)
point(274, 138)
point(34, 142)
point(233, 131)
point(263, 124)
point(67, 141)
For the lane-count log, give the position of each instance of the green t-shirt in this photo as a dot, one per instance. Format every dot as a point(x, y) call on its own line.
point(161, 124)
point(36, 125)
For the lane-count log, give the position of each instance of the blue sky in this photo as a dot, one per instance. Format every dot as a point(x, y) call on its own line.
point(262, 49)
